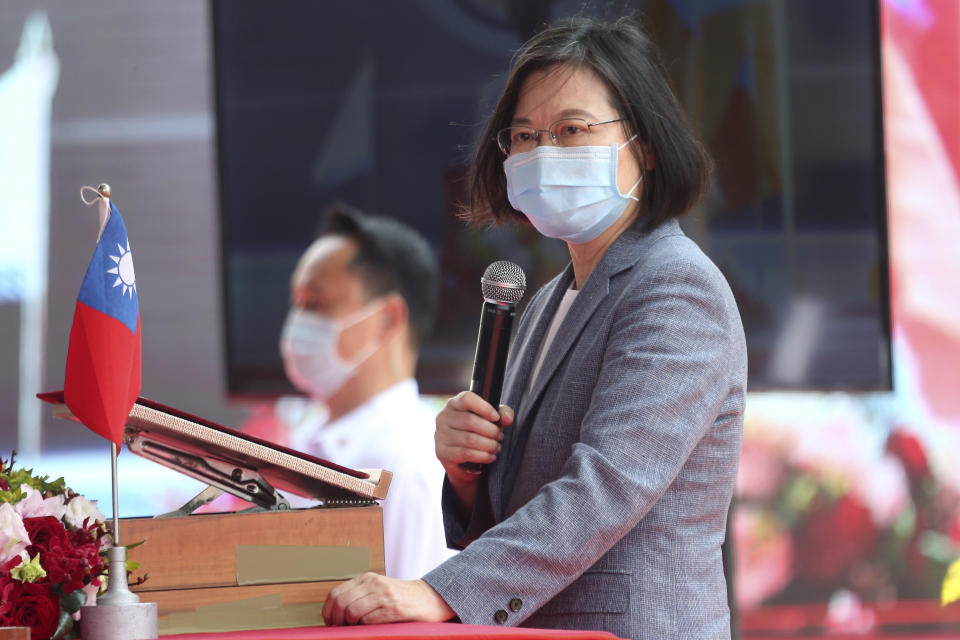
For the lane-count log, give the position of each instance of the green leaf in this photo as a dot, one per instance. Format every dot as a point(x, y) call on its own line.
point(72, 602)
point(16, 477)
point(65, 624)
point(951, 584)
point(13, 496)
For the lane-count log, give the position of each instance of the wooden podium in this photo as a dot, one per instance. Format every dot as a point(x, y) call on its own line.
point(267, 570)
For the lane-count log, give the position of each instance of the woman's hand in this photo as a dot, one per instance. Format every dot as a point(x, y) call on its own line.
point(467, 431)
point(376, 599)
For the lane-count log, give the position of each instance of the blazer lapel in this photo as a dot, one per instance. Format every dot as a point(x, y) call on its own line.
point(521, 359)
point(527, 348)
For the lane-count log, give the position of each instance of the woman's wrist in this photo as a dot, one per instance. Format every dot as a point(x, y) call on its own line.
point(465, 491)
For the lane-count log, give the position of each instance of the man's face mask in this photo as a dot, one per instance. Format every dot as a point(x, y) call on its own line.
point(308, 345)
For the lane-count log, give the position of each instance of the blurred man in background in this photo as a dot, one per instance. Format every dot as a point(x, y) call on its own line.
point(363, 298)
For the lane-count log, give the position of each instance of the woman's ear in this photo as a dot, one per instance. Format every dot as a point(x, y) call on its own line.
point(649, 162)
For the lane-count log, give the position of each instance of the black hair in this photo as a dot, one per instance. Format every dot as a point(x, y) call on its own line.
point(391, 258)
point(628, 62)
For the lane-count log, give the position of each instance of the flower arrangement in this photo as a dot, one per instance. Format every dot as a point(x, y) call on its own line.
point(50, 552)
point(840, 503)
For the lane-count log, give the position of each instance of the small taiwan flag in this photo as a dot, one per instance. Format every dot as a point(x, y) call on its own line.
point(102, 379)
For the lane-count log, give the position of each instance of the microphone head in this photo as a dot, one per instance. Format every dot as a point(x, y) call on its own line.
point(503, 282)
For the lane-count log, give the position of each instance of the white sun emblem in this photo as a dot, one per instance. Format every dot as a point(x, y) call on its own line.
point(124, 270)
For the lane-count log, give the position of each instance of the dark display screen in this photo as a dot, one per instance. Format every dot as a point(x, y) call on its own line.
point(378, 104)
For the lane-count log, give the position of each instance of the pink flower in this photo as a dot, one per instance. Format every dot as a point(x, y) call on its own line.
point(884, 491)
point(847, 614)
point(761, 472)
point(91, 590)
point(764, 557)
point(33, 505)
point(13, 535)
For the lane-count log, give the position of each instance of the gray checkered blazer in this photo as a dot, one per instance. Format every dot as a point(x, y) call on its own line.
point(606, 507)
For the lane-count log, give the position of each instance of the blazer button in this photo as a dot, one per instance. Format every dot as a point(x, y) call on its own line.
point(516, 604)
point(500, 616)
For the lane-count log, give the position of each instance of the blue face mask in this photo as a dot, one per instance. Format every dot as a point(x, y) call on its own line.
point(569, 193)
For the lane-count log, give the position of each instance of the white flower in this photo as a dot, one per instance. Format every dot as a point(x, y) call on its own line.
point(13, 535)
point(35, 506)
point(885, 490)
point(79, 509)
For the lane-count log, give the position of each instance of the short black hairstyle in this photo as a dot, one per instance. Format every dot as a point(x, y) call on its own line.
point(391, 258)
point(628, 62)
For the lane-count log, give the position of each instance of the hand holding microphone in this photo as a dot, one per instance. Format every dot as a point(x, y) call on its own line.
point(468, 434)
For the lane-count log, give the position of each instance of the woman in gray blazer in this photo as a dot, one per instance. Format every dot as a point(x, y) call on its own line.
point(611, 464)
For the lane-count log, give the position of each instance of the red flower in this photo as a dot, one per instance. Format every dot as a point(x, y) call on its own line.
point(72, 559)
point(86, 548)
point(6, 595)
point(34, 606)
point(906, 448)
point(63, 569)
point(834, 539)
point(3, 485)
point(954, 530)
point(10, 564)
point(46, 533)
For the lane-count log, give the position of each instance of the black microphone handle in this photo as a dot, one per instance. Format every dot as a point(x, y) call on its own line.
point(490, 360)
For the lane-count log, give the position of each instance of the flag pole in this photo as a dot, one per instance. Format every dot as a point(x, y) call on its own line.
point(104, 192)
point(113, 477)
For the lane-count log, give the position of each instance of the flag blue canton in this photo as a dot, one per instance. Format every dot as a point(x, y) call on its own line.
point(109, 285)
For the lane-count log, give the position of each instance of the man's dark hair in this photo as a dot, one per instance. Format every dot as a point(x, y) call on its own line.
point(391, 258)
point(628, 62)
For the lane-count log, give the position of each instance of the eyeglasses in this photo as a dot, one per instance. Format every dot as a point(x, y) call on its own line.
point(569, 132)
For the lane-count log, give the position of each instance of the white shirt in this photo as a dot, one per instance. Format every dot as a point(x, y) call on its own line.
point(392, 431)
point(565, 303)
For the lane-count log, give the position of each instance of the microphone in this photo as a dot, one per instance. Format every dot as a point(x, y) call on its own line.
point(503, 285)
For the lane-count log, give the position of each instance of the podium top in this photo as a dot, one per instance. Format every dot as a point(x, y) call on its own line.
point(153, 426)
